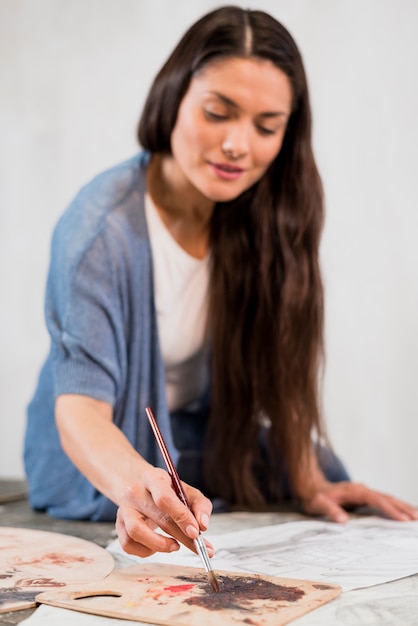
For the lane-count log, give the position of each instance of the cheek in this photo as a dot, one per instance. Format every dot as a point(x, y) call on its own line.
point(189, 133)
point(200, 138)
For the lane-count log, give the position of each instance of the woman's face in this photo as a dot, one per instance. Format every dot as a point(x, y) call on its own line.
point(230, 126)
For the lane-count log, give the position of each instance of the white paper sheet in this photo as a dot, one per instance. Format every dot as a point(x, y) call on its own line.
point(361, 553)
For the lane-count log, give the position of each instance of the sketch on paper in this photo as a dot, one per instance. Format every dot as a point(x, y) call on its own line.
point(361, 553)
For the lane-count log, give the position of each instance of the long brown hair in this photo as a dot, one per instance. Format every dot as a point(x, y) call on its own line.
point(266, 296)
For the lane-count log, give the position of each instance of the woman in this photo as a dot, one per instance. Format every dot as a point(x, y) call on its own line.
point(187, 279)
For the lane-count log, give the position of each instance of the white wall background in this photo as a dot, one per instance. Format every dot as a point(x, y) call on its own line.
point(73, 77)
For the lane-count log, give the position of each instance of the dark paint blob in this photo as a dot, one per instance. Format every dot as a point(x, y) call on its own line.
point(238, 592)
point(14, 595)
point(21, 592)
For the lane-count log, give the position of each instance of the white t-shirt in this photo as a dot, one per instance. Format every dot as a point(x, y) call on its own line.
point(181, 299)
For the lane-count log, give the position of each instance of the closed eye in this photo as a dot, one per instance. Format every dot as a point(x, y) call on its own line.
point(278, 127)
point(266, 131)
point(217, 117)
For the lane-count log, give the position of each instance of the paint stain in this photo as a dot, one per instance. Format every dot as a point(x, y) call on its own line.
point(239, 592)
point(179, 588)
point(53, 558)
point(13, 595)
point(22, 592)
point(156, 592)
point(39, 582)
point(322, 587)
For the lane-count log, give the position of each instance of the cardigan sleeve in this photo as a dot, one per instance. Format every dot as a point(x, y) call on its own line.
point(100, 314)
point(84, 314)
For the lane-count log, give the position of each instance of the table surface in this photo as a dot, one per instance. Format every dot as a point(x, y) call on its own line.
point(390, 604)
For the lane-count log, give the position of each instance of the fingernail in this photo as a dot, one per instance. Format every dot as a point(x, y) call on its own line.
point(204, 520)
point(342, 517)
point(174, 547)
point(210, 551)
point(192, 532)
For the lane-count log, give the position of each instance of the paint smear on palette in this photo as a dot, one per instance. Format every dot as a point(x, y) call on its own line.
point(25, 590)
point(238, 592)
point(179, 588)
point(52, 558)
point(158, 591)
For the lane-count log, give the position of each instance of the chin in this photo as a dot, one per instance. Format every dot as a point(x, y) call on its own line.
point(223, 195)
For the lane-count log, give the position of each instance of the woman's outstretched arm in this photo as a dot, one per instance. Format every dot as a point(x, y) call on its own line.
point(143, 493)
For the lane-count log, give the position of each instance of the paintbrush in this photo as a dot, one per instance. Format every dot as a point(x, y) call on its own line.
point(178, 488)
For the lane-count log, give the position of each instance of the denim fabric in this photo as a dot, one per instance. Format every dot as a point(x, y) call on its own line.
point(188, 430)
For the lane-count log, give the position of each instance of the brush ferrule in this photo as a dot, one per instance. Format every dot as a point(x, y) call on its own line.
point(203, 553)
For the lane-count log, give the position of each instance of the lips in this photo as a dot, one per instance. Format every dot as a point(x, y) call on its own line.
point(227, 171)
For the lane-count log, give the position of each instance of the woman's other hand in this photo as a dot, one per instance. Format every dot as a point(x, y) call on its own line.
point(331, 499)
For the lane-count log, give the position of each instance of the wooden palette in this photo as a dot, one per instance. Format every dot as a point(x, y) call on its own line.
point(34, 560)
point(181, 596)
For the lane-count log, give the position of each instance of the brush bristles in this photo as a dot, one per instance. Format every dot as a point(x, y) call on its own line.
point(213, 582)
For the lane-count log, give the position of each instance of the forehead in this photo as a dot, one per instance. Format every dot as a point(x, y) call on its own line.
point(244, 80)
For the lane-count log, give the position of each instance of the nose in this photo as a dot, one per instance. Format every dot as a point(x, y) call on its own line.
point(236, 143)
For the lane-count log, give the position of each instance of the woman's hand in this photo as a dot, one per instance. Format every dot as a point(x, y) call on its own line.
point(331, 498)
point(105, 456)
point(151, 504)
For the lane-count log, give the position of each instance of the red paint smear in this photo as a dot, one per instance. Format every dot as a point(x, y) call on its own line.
point(53, 558)
point(178, 588)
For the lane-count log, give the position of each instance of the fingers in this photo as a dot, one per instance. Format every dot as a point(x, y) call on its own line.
point(322, 504)
point(152, 503)
point(137, 537)
point(167, 510)
point(331, 500)
point(200, 505)
point(392, 507)
point(358, 494)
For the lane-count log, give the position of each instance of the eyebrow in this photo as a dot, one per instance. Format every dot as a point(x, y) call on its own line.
point(231, 103)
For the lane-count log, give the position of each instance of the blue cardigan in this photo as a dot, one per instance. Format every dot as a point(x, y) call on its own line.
point(102, 323)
